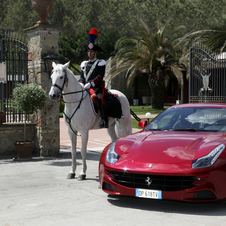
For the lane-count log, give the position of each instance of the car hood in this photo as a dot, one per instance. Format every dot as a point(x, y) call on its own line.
point(171, 147)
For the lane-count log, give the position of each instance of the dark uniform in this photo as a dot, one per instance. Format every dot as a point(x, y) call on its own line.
point(96, 81)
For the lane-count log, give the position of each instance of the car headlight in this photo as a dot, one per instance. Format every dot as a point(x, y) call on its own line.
point(209, 159)
point(112, 156)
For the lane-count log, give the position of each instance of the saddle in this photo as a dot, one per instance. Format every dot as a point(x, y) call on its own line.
point(111, 101)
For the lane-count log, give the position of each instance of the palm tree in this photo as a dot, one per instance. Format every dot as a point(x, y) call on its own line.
point(148, 52)
point(213, 37)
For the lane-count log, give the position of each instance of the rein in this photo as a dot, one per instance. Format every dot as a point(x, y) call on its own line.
point(68, 119)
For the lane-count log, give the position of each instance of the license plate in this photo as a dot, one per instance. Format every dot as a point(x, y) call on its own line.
point(150, 194)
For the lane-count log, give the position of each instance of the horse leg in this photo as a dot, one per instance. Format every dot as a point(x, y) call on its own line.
point(111, 132)
point(125, 126)
point(84, 139)
point(73, 138)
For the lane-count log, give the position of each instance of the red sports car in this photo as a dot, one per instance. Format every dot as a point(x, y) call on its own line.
point(179, 155)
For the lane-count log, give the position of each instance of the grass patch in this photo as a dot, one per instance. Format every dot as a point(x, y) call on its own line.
point(142, 110)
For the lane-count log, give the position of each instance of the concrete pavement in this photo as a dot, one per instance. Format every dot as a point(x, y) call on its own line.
point(37, 193)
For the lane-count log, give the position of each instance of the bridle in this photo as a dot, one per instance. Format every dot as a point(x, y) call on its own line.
point(66, 83)
point(68, 119)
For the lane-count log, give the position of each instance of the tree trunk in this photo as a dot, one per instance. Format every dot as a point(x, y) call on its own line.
point(156, 83)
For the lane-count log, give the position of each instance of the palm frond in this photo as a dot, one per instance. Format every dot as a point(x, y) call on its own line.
point(145, 52)
point(178, 73)
point(131, 78)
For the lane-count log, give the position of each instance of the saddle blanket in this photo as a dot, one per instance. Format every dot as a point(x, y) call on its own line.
point(113, 105)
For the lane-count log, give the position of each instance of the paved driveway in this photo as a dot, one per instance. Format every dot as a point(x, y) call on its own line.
point(37, 193)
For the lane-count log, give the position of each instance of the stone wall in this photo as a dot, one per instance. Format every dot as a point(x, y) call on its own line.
point(43, 40)
point(12, 132)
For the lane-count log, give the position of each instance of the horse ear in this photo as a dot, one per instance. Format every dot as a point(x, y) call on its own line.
point(53, 64)
point(66, 65)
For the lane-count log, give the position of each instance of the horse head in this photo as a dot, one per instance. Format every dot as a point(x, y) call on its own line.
point(59, 80)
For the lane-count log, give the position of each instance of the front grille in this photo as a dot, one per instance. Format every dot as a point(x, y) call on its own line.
point(156, 182)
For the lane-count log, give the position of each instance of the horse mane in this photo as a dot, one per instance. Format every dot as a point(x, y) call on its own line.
point(73, 75)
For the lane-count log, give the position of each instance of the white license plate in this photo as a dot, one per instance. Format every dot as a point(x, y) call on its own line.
point(150, 194)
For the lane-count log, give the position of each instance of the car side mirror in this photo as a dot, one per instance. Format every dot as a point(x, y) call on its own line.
point(142, 123)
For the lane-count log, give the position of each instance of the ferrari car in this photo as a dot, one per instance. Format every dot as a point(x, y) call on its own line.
point(180, 155)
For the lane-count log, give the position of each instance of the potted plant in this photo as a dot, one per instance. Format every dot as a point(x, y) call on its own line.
point(2, 117)
point(29, 98)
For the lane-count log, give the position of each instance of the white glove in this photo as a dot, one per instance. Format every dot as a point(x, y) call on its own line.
point(87, 86)
point(81, 84)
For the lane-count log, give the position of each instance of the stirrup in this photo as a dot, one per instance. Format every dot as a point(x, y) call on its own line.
point(103, 125)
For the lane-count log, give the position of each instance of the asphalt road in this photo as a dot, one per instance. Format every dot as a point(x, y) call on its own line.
point(37, 193)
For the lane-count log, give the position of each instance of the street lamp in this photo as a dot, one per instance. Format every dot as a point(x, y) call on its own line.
point(48, 60)
point(148, 116)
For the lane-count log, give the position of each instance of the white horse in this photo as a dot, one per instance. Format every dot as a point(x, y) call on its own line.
point(79, 113)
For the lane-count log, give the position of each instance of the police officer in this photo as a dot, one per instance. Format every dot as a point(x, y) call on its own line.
point(92, 74)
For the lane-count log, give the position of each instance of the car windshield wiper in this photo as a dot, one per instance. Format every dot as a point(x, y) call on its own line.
point(155, 130)
point(190, 130)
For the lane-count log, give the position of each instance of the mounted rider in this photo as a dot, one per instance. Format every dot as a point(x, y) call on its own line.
point(92, 74)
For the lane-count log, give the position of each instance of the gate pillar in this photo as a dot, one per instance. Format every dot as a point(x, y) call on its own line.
point(42, 40)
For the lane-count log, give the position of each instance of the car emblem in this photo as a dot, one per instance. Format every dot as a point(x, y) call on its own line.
point(150, 166)
point(149, 181)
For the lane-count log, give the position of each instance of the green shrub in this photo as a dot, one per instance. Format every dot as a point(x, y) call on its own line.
point(29, 97)
point(61, 106)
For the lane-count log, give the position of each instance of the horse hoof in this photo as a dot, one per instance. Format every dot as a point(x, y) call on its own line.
point(71, 176)
point(82, 177)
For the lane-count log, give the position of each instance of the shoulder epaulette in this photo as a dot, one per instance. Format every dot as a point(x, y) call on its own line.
point(83, 64)
point(102, 63)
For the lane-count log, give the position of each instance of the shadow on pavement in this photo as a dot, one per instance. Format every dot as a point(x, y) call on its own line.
point(59, 160)
point(210, 209)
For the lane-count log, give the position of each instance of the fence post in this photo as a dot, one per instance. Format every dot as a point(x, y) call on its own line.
point(43, 39)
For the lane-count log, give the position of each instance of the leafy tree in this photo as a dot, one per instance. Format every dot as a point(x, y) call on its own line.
point(5, 4)
point(109, 19)
point(148, 52)
point(20, 14)
point(113, 19)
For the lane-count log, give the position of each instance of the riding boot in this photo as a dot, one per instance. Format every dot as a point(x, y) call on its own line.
point(103, 111)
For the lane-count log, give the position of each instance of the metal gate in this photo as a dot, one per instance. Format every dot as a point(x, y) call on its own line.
point(207, 76)
point(14, 57)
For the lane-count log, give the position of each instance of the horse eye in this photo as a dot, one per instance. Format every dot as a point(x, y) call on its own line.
point(61, 76)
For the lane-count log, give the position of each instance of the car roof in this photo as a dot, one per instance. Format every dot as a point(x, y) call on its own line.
point(210, 105)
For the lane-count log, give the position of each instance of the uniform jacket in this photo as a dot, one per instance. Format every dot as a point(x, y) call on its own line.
point(96, 78)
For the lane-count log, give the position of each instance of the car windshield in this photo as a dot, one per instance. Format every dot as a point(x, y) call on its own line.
point(190, 119)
